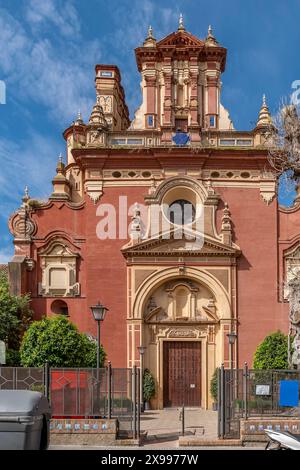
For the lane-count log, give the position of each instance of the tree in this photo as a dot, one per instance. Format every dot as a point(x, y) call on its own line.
point(284, 141)
point(15, 316)
point(272, 352)
point(59, 342)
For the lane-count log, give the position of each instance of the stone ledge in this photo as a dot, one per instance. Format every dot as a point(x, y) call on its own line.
point(196, 441)
point(83, 439)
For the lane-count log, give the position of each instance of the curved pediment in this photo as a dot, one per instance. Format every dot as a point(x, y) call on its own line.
point(180, 39)
point(57, 248)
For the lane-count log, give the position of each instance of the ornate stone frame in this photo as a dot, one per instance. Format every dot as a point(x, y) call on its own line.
point(67, 261)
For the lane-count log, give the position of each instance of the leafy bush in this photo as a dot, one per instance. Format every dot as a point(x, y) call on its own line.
point(13, 358)
point(214, 385)
point(15, 315)
point(59, 342)
point(272, 352)
point(148, 385)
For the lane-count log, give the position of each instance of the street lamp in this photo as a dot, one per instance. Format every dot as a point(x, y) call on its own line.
point(141, 350)
point(231, 340)
point(99, 312)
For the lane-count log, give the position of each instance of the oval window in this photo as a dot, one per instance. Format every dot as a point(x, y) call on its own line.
point(116, 174)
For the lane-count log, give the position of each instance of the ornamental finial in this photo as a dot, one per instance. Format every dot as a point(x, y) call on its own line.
point(211, 40)
point(79, 120)
point(264, 117)
point(181, 25)
point(150, 40)
point(60, 158)
point(26, 196)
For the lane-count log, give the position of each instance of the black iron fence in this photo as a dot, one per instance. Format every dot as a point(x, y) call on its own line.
point(83, 392)
point(245, 393)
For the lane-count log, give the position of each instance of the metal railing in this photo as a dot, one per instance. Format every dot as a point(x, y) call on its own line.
point(82, 392)
point(246, 393)
point(23, 378)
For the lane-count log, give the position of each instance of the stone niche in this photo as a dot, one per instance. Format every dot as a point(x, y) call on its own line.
point(181, 300)
point(59, 271)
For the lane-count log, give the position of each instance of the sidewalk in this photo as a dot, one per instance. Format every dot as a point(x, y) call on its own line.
point(165, 426)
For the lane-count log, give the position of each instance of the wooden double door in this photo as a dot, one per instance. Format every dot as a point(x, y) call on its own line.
point(181, 373)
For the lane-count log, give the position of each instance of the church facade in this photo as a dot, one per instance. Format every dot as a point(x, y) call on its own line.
point(196, 292)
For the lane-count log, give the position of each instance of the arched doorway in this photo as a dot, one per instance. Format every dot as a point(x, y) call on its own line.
point(179, 326)
point(178, 316)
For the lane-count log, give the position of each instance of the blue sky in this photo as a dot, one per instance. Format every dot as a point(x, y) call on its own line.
point(48, 50)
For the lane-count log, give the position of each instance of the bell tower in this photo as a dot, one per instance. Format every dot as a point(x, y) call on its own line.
point(181, 83)
point(111, 97)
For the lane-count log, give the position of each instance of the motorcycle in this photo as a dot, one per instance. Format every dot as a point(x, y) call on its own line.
point(282, 440)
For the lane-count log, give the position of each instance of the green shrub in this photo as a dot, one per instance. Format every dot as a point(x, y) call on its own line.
point(15, 315)
point(13, 358)
point(148, 385)
point(59, 342)
point(214, 385)
point(272, 352)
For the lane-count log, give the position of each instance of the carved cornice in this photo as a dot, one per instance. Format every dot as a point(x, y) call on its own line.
point(157, 247)
point(50, 203)
point(186, 331)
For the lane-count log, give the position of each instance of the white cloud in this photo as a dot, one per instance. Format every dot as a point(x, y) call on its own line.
point(130, 27)
point(29, 162)
point(56, 74)
point(129, 30)
point(44, 57)
point(48, 13)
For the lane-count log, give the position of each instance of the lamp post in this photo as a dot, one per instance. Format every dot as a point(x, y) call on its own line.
point(99, 312)
point(231, 340)
point(141, 350)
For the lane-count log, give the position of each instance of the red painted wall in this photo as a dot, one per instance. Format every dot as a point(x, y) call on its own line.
point(256, 233)
point(102, 271)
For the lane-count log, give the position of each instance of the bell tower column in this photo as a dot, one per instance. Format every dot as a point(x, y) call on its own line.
point(167, 104)
point(194, 125)
point(151, 107)
point(212, 98)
